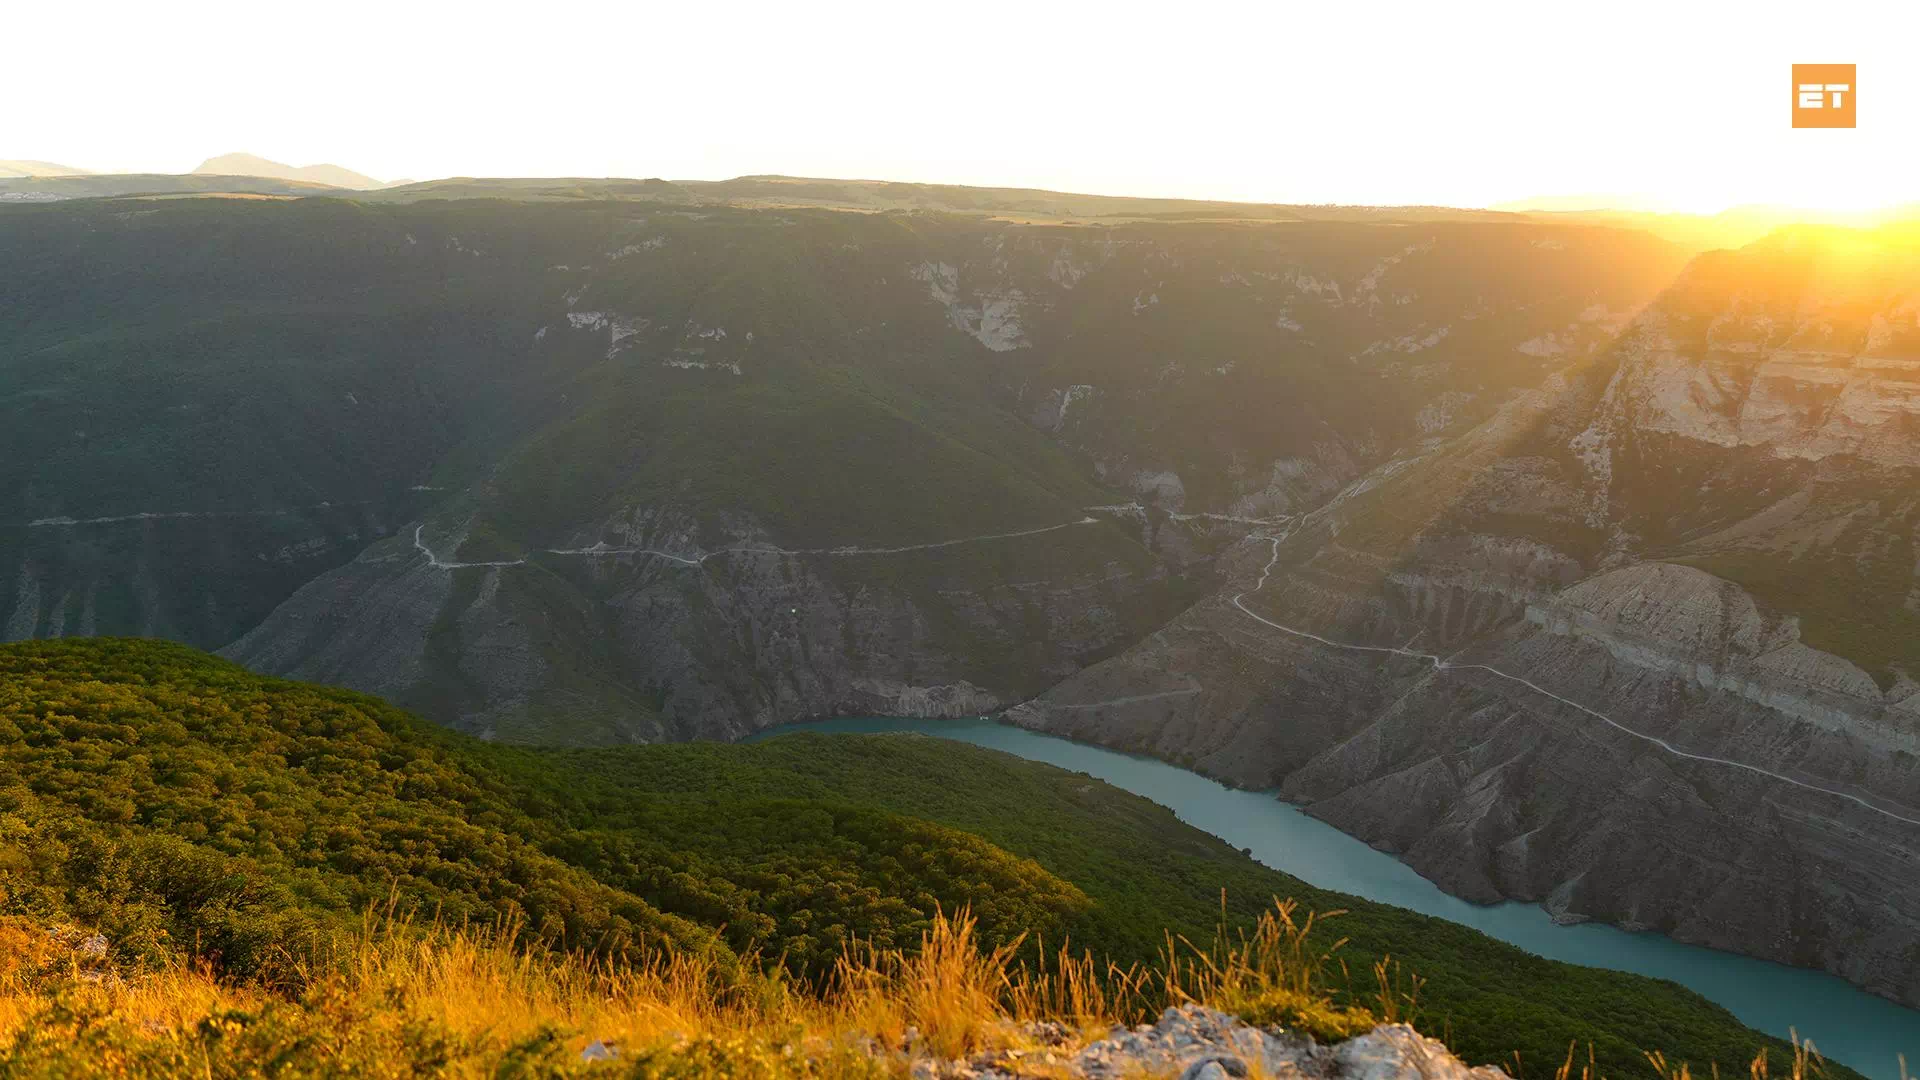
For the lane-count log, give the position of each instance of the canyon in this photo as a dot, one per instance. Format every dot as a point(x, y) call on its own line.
point(1565, 563)
point(1565, 657)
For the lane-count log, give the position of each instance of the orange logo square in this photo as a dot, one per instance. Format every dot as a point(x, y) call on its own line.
point(1823, 95)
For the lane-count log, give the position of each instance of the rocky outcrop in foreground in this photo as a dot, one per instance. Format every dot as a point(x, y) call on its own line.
point(1197, 1043)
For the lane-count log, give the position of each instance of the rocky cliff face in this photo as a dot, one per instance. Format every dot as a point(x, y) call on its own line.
point(126, 574)
point(1634, 647)
point(642, 471)
point(648, 639)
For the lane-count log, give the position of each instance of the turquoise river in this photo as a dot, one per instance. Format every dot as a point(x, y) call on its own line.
point(1848, 1025)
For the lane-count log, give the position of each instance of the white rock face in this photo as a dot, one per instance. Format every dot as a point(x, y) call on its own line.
point(1066, 398)
point(1165, 484)
point(1197, 1043)
point(619, 327)
point(942, 702)
point(992, 317)
point(1369, 283)
point(1547, 344)
point(1682, 621)
point(1067, 270)
point(997, 325)
point(1417, 341)
point(1309, 285)
point(1398, 1052)
point(26, 609)
point(1293, 482)
point(652, 244)
point(1439, 413)
point(1750, 389)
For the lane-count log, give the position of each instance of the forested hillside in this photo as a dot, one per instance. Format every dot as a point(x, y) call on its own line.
point(183, 807)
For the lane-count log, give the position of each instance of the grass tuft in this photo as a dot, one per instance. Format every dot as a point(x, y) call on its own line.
point(396, 1000)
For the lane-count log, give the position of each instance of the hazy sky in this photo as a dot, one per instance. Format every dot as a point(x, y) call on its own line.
point(1431, 102)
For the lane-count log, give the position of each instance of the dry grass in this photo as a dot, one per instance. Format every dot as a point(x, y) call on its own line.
point(397, 1000)
point(400, 1001)
point(1806, 1065)
point(1275, 975)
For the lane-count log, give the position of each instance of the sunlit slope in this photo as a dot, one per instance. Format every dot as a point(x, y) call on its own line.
point(1638, 646)
point(252, 165)
point(20, 168)
point(1761, 423)
point(154, 186)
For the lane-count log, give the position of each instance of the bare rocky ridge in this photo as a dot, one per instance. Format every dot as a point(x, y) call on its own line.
point(1190, 1042)
point(1194, 1042)
point(806, 634)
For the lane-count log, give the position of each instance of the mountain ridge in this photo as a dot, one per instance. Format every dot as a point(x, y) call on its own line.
point(22, 167)
point(242, 164)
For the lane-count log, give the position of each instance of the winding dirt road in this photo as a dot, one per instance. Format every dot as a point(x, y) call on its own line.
point(1442, 664)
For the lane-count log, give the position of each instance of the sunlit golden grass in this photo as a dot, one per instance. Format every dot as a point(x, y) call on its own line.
point(398, 998)
point(1806, 1065)
point(1273, 976)
point(402, 1000)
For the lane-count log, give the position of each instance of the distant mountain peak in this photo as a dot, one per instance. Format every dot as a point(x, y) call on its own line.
point(241, 164)
point(23, 167)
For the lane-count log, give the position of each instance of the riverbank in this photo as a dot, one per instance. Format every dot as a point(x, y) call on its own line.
point(1847, 1024)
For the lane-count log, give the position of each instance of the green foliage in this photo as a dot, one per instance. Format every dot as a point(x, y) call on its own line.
point(740, 1059)
point(1149, 875)
point(282, 1040)
point(800, 456)
point(1280, 1007)
point(178, 801)
point(1849, 592)
point(184, 805)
